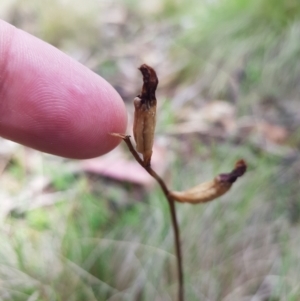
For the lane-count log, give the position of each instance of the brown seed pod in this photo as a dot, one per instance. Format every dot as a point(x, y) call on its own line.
point(145, 114)
point(211, 190)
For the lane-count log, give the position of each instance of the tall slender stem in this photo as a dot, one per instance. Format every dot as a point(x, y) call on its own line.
point(175, 229)
point(174, 221)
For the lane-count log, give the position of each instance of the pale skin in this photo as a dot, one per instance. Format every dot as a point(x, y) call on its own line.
point(50, 102)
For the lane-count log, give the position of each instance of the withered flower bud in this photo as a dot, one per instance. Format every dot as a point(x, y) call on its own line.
point(145, 114)
point(211, 190)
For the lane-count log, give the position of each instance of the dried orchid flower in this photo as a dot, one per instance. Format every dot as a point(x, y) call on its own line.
point(208, 191)
point(145, 114)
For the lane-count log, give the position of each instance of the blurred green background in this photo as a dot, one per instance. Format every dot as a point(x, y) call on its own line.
point(229, 75)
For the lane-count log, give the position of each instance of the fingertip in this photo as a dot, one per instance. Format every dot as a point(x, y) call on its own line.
point(52, 103)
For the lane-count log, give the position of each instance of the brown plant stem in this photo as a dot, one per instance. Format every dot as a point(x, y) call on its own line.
point(165, 190)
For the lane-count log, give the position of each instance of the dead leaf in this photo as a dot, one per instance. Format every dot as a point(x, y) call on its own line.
point(263, 130)
point(119, 165)
point(217, 116)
